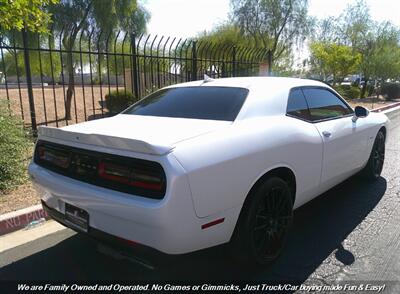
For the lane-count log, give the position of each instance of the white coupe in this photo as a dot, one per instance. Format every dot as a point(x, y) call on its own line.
point(208, 162)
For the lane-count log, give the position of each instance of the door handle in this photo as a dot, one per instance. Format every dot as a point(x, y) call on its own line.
point(326, 134)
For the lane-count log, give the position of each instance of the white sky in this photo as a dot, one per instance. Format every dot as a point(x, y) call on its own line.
point(187, 18)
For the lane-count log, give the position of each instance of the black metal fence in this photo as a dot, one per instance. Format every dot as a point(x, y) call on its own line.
point(42, 77)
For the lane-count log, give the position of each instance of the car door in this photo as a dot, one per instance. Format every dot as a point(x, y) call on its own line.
point(308, 150)
point(344, 140)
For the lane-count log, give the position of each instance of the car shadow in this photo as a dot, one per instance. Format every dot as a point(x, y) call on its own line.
point(319, 229)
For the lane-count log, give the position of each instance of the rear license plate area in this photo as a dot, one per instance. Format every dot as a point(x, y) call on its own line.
point(76, 217)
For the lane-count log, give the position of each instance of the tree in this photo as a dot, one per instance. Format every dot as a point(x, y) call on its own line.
point(385, 60)
point(373, 42)
point(98, 16)
point(220, 42)
point(357, 26)
point(354, 24)
point(227, 34)
point(32, 16)
point(334, 59)
point(274, 24)
point(17, 14)
point(14, 59)
point(376, 42)
point(327, 30)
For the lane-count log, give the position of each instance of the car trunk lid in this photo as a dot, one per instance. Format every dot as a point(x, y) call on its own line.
point(143, 134)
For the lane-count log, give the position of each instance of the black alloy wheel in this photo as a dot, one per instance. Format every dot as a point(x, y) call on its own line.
point(378, 154)
point(272, 220)
point(374, 167)
point(264, 223)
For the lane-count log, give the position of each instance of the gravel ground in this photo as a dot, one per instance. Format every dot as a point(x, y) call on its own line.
point(371, 103)
point(49, 104)
point(21, 197)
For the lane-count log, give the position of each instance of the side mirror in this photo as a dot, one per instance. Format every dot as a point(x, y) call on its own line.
point(360, 112)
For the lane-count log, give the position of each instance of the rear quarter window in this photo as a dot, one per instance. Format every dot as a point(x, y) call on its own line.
point(297, 105)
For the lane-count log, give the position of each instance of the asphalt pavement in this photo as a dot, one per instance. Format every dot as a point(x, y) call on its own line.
point(350, 233)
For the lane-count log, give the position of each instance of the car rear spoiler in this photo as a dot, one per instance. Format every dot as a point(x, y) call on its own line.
point(102, 140)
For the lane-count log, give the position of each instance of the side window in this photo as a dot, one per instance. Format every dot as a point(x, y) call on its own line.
point(297, 105)
point(324, 104)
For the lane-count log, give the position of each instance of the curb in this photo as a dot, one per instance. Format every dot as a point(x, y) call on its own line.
point(16, 220)
point(380, 109)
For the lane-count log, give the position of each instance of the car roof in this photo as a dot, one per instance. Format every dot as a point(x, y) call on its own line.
point(267, 95)
point(252, 83)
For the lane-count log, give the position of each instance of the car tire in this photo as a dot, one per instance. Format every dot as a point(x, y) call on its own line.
point(373, 169)
point(263, 224)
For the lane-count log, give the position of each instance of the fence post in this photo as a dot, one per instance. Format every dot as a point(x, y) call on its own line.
point(194, 62)
point(234, 61)
point(223, 73)
point(29, 81)
point(269, 59)
point(135, 80)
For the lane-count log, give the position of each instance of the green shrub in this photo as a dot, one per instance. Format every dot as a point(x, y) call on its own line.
point(116, 101)
point(15, 148)
point(391, 90)
point(349, 92)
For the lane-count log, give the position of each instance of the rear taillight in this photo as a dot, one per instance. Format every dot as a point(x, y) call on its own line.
point(130, 176)
point(53, 156)
point(114, 172)
point(120, 173)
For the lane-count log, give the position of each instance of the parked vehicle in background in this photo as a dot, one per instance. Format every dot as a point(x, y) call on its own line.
point(208, 162)
point(346, 82)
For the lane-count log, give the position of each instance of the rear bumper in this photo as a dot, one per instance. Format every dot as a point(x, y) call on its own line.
point(169, 225)
point(126, 247)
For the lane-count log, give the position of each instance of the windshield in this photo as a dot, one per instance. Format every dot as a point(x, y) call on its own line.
point(213, 103)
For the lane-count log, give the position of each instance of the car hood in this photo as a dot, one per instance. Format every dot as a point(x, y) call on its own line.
point(145, 134)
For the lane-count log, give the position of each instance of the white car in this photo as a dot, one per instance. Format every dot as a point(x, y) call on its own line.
point(208, 162)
